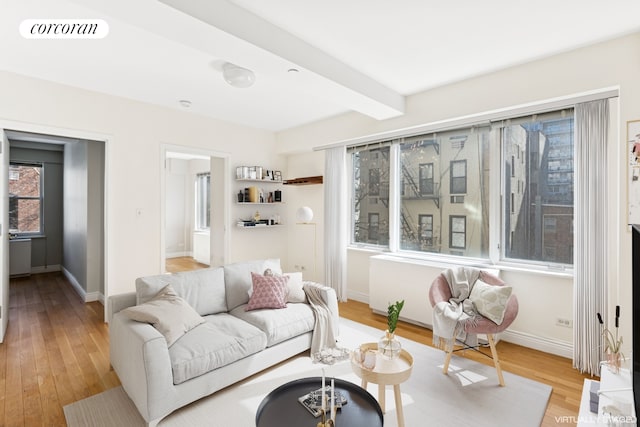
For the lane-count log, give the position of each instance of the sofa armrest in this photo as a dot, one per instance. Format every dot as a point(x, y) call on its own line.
point(330, 298)
point(119, 302)
point(140, 356)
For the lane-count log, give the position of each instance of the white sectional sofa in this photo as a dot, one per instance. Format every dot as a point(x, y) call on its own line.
point(229, 346)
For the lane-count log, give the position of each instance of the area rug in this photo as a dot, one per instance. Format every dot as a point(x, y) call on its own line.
point(469, 395)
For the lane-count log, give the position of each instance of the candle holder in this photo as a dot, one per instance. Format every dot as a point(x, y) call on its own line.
point(324, 422)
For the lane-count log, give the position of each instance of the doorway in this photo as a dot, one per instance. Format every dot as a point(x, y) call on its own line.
point(60, 213)
point(194, 209)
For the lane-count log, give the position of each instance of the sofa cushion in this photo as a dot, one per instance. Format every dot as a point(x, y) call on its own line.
point(221, 340)
point(279, 325)
point(203, 289)
point(168, 313)
point(237, 279)
point(268, 292)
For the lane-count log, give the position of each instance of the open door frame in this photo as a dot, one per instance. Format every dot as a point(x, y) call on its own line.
point(220, 197)
point(4, 235)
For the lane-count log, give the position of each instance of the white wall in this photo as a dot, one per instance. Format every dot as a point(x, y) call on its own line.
point(75, 208)
point(305, 240)
point(135, 133)
point(95, 218)
point(177, 204)
point(614, 63)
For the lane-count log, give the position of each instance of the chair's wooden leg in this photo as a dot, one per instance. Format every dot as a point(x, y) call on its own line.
point(496, 361)
point(447, 360)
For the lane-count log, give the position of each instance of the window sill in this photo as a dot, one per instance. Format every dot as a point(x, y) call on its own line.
point(28, 236)
point(448, 262)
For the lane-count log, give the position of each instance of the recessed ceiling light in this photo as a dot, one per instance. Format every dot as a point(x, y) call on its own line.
point(293, 70)
point(184, 103)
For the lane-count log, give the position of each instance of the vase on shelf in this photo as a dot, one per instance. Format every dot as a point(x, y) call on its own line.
point(388, 346)
point(614, 361)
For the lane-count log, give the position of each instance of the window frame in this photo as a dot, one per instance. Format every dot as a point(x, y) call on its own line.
point(496, 191)
point(452, 178)
point(425, 181)
point(40, 198)
point(451, 232)
point(420, 230)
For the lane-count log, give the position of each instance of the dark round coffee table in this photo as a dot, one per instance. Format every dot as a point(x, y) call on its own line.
point(281, 406)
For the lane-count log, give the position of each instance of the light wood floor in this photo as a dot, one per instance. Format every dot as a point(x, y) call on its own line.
point(175, 265)
point(56, 351)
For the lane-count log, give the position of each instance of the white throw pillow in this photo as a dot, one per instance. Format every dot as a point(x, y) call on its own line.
point(296, 293)
point(490, 301)
point(168, 313)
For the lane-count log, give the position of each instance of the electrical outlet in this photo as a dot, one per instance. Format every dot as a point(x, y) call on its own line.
point(565, 323)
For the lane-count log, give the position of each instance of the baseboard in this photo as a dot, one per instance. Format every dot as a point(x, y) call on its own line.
point(74, 283)
point(94, 296)
point(84, 295)
point(45, 269)
point(559, 348)
point(358, 296)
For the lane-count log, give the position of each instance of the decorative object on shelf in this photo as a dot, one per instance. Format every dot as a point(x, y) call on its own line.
point(237, 76)
point(253, 195)
point(277, 196)
point(304, 214)
point(256, 173)
point(612, 344)
point(240, 196)
point(388, 346)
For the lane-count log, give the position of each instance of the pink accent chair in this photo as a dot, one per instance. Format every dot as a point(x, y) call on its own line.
point(440, 291)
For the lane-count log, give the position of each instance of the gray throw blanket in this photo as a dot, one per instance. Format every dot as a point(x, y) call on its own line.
point(323, 336)
point(449, 317)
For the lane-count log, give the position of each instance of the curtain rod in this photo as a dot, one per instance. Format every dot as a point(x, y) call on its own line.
point(478, 119)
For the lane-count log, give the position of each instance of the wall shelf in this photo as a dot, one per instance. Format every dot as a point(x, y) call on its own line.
point(268, 181)
point(309, 180)
point(258, 203)
point(254, 227)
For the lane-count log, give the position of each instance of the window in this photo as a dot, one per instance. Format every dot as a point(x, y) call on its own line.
point(458, 232)
point(374, 181)
point(373, 227)
point(25, 198)
point(541, 215)
point(521, 166)
point(458, 177)
point(444, 152)
point(203, 201)
point(426, 178)
point(370, 174)
point(426, 231)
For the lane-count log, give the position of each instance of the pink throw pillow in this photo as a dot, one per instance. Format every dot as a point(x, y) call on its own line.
point(268, 292)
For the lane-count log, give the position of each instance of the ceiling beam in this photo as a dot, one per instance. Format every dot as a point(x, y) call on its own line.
point(338, 81)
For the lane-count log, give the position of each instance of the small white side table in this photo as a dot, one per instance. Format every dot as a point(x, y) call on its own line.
point(386, 372)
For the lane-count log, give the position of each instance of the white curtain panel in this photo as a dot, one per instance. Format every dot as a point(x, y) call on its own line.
point(336, 214)
point(591, 189)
